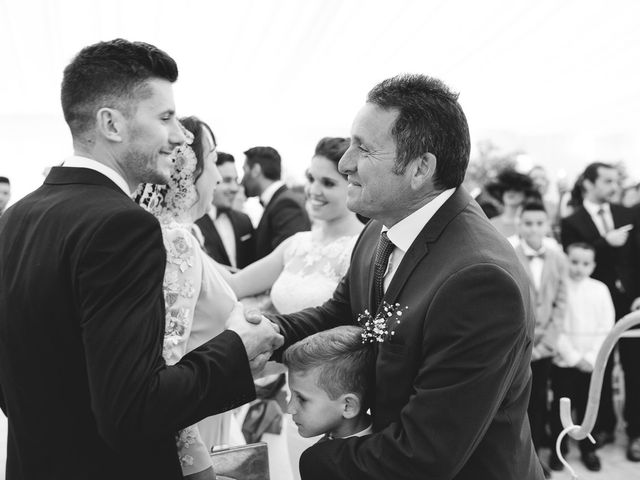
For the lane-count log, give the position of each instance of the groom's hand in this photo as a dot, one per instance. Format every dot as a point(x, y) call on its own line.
point(259, 339)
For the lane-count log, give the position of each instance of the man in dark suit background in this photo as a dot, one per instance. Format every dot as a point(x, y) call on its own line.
point(452, 379)
point(82, 378)
point(284, 212)
point(228, 233)
point(608, 227)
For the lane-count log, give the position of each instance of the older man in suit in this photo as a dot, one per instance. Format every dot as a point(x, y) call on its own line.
point(82, 313)
point(452, 376)
point(284, 212)
point(609, 228)
point(228, 233)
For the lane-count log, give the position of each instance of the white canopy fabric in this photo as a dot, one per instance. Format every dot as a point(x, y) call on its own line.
point(559, 80)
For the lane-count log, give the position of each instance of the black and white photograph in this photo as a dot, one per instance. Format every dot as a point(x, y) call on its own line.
point(320, 240)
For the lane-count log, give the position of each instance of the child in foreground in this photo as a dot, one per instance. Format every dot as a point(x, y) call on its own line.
point(330, 378)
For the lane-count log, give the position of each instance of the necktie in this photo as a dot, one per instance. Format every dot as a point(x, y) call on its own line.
point(383, 252)
point(605, 221)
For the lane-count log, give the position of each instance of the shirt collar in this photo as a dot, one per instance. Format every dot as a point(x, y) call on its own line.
point(530, 252)
point(594, 208)
point(403, 233)
point(84, 162)
point(270, 191)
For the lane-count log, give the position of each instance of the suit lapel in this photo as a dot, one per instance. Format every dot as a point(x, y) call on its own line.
point(585, 219)
point(213, 242)
point(525, 262)
point(420, 248)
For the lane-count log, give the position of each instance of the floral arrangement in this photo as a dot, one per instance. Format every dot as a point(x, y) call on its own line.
point(380, 327)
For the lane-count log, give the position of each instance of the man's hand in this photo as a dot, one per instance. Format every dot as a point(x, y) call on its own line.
point(635, 305)
point(260, 339)
point(618, 237)
point(584, 366)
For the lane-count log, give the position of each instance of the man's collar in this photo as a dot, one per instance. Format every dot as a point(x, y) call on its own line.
point(84, 162)
point(530, 252)
point(269, 192)
point(403, 233)
point(594, 208)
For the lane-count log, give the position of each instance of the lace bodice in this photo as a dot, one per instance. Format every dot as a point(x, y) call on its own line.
point(311, 271)
point(198, 302)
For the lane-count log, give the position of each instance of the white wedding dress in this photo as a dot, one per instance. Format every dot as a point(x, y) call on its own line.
point(198, 302)
point(311, 273)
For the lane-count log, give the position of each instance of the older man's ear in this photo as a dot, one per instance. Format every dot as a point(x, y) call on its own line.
point(424, 171)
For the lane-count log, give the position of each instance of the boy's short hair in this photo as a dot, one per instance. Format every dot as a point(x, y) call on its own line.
point(532, 206)
point(5, 180)
point(582, 245)
point(344, 363)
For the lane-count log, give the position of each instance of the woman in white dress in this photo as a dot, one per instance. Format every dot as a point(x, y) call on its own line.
point(304, 270)
point(198, 301)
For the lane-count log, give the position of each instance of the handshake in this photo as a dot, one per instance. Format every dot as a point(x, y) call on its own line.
point(259, 336)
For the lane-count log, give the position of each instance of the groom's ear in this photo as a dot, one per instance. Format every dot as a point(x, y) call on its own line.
point(110, 124)
point(350, 405)
point(424, 170)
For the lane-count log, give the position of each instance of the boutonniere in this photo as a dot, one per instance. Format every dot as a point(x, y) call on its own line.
point(383, 325)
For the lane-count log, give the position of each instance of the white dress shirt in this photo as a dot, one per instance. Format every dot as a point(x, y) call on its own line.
point(224, 227)
point(593, 209)
point(403, 233)
point(588, 320)
point(536, 262)
point(77, 161)
point(269, 192)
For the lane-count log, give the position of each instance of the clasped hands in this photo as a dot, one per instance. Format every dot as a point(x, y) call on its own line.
point(259, 335)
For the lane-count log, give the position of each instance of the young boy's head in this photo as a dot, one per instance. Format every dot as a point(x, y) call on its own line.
point(582, 260)
point(534, 224)
point(330, 376)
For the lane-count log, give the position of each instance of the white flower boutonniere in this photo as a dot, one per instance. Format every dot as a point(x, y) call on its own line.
point(383, 325)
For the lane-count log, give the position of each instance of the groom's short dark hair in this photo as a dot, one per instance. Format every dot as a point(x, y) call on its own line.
point(110, 74)
point(345, 364)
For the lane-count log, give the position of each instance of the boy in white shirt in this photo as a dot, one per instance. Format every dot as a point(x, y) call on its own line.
point(589, 318)
point(330, 377)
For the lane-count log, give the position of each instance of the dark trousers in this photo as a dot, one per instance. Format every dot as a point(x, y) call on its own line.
point(606, 421)
point(538, 401)
point(629, 349)
point(573, 384)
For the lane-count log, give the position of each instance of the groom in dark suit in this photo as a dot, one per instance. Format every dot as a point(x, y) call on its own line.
point(228, 233)
point(452, 375)
point(82, 312)
point(284, 213)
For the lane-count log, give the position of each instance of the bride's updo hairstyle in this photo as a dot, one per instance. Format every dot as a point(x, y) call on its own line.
point(199, 129)
point(332, 148)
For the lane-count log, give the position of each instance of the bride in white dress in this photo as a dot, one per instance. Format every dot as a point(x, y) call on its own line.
point(197, 299)
point(304, 270)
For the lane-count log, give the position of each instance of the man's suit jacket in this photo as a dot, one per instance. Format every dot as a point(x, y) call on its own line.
point(549, 300)
point(453, 382)
point(84, 385)
point(283, 216)
point(614, 265)
point(244, 234)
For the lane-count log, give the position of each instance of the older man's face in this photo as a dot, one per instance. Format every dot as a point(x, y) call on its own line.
point(374, 190)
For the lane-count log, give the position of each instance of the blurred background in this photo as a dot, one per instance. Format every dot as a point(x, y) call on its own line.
point(547, 82)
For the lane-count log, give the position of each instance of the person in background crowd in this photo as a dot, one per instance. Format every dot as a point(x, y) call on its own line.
point(304, 270)
point(547, 270)
point(607, 227)
point(284, 213)
point(540, 179)
point(589, 318)
point(228, 234)
point(5, 193)
point(512, 189)
point(630, 196)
